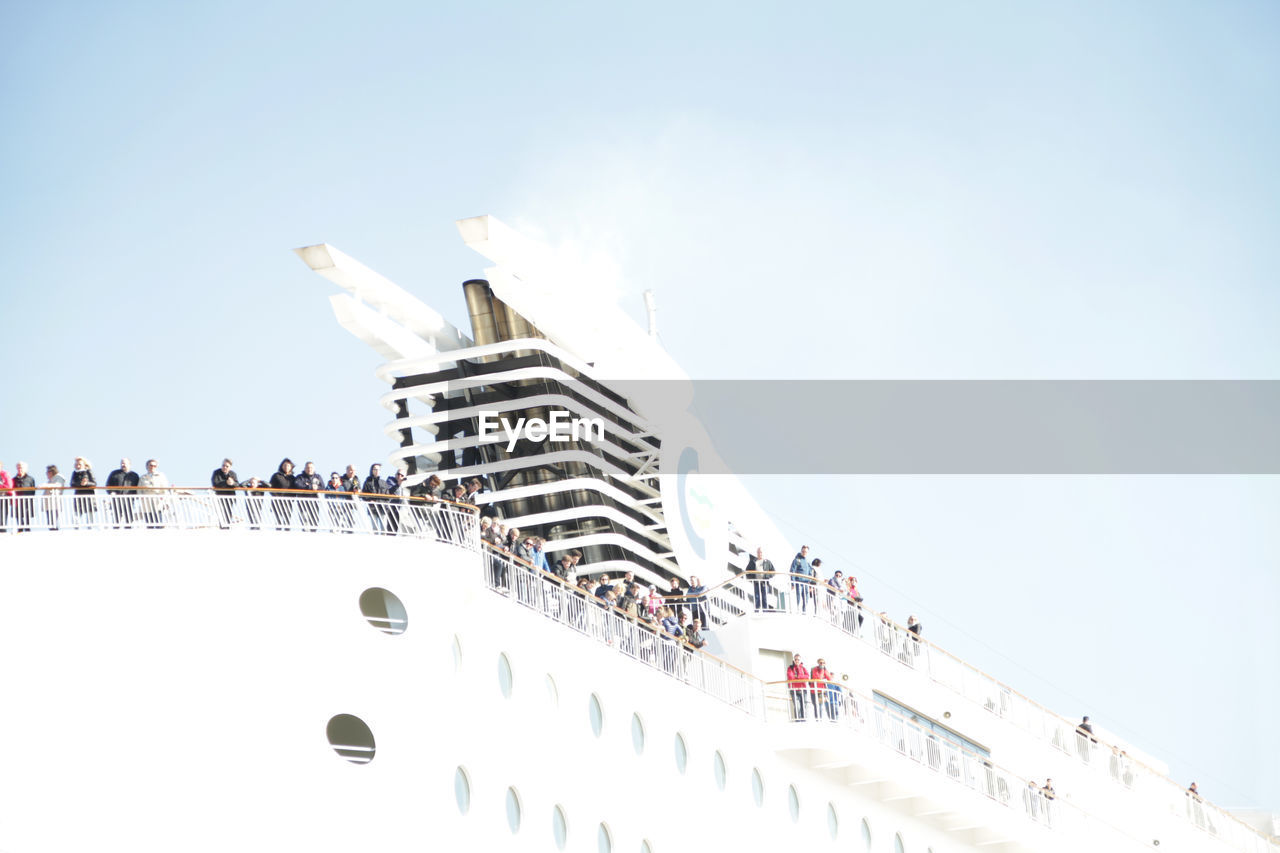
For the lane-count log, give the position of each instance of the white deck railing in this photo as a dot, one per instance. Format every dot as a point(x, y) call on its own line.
point(586, 614)
point(792, 594)
point(188, 509)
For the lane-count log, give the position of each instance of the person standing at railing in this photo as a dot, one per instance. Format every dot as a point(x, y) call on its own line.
point(351, 480)
point(799, 686)
point(698, 600)
point(24, 496)
point(675, 598)
point(802, 575)
point(853, 616)
point(1085, 739)
point(124, 485)
point(760, 573)
point(311, 485)
point(834, 593)
point(693, 636)
point(653, 601)
point(54, 484)
point(916, 629)
point(224, 482)
point(83, 484)
point(6, 497)
point(822, 698)
point(281, 485)
point(540, 556)
point(338, 501)
point(1032, 798)
point(153, 485)
point(255, 492)
point(396, 492)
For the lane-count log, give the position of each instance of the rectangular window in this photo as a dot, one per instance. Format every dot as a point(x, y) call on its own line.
point(931, 726)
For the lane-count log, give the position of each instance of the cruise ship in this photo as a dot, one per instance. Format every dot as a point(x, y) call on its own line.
point(275, 670)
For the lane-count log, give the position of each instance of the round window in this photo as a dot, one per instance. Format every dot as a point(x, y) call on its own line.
point(596, 712)
point(383, 610)
point(513, 810)
point(757, 786)
point(720, 770)
point(682, 753)
point(559, 828)
point(462, 790)
point(351, 738)
point(504, 675)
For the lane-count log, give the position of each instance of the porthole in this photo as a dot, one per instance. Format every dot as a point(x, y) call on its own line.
point(604, 841)
point(383, 610)
point(457, 654)
point(721, 771)
point(559, 828)
point(866, 835)
point(513, 810)
point(898, 846)
point(646, 847)
point(682, 753)
point(793, 803)
point(462, 790)
point(833, 821)
point(351, 738)
point(596, 712)
point(637, 734)
point(504, 675)
point(757, 786)
point(553, 692)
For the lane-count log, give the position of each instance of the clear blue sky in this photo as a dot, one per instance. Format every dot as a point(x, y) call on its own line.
point(986, 190)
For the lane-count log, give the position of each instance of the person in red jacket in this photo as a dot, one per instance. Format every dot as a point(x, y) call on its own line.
point(6, 492)
point(822, 698)
point(798, 684)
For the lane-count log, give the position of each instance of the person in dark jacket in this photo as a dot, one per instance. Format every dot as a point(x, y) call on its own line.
point(375, 485)
point(254, 492)
point(310, 484)
point(83, 484)
point(395, 487)
point(124, 483)
point(351, 480)
point(224, 482)
point(760, 573)
point(697, 593)
point(338, 501)
point(281, 488)
point(24, 490)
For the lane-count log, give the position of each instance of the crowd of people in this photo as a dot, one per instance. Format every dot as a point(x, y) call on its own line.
point(140, 496)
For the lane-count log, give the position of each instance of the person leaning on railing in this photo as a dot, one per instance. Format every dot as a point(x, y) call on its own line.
point(224, 481)
point(255, 492)
point(24, 496)
point(54, 484)
point(281, 485)
point(6, 494)
point(82, 485)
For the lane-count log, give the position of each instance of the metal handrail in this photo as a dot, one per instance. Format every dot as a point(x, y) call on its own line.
point(552, 597)
point(68, 509)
